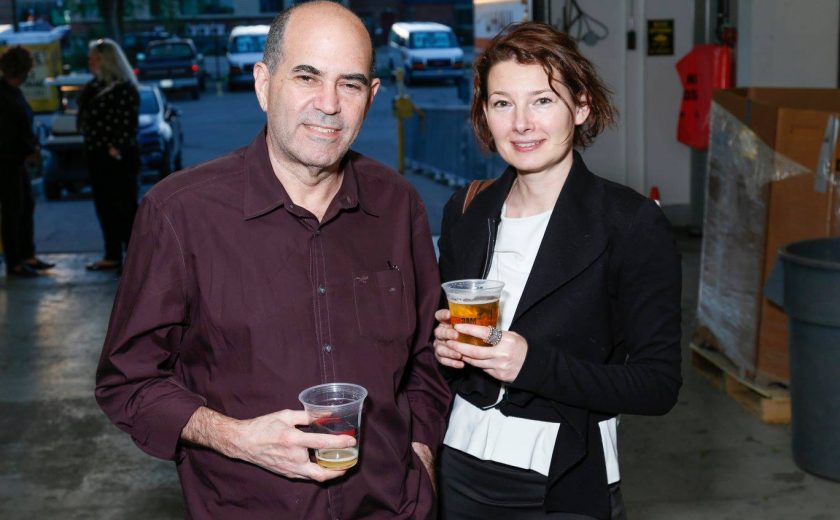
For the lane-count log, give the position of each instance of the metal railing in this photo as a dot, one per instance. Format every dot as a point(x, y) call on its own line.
point(440, 144)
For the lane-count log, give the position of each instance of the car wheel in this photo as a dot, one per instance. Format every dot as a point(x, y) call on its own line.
point(195, 93)
point(202, 84)
point(52, 190)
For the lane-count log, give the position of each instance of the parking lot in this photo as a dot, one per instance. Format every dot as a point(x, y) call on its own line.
point(221, 121)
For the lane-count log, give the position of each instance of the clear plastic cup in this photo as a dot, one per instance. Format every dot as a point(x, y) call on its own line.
point(335, 409)
point(474, 301)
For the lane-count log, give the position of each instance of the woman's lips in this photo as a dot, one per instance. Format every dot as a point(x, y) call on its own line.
point(527, 146)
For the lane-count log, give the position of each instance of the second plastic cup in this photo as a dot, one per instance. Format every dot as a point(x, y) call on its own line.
point(335, 409)
point(474, 301)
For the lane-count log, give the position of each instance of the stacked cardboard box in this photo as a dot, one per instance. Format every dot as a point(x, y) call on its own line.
point(762, 193)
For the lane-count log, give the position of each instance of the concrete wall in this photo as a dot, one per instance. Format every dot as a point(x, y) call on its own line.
point(782, 43)
point(642, 151)
point(787, 43)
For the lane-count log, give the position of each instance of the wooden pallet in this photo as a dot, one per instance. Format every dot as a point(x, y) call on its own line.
point(770, 402)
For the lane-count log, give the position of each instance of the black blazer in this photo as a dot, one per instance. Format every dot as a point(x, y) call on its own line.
point(600, 312)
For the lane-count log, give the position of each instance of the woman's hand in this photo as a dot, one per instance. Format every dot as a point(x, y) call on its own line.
point(443, 333)
point(502, 361)
point(114, 152)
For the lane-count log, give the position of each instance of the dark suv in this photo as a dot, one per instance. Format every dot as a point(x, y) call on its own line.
point(172, 64)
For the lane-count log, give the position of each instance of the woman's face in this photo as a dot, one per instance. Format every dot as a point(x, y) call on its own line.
point(532, 127)
point(93, 61)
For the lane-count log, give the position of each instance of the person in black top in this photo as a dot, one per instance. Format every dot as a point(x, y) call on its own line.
point(18, 149)
point(589, 325)
point(108, 110)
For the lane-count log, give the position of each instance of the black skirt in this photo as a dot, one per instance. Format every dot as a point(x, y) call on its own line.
point(475, 489)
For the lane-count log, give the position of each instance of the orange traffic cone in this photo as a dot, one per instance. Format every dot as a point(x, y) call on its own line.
point(654, 194)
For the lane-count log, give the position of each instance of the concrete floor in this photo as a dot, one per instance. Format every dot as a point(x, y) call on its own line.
point(60, 458)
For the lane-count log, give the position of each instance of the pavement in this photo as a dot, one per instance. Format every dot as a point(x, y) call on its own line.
point(708, 458)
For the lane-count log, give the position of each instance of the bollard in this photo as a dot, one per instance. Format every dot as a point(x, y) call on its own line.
point(403, 109)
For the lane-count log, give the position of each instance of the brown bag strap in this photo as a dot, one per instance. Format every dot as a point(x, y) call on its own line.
point(476, 187)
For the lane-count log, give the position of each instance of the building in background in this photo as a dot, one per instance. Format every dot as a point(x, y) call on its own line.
point(208, 22)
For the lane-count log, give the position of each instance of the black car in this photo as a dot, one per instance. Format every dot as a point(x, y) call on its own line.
point(135, 43)
point(172, 64)
point(159, 136)
point(159, 133)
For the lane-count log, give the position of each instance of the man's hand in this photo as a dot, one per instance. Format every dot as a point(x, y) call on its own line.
point(271, 441)
point(425, 455)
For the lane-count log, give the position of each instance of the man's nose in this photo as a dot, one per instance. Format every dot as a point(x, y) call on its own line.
point(327, 100)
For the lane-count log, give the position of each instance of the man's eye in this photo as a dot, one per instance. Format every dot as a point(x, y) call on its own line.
point(353, 86)
point(306, 79)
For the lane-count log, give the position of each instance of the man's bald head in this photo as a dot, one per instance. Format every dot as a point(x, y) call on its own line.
point(325, 10)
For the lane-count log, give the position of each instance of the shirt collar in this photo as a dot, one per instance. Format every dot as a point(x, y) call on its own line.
point(265, 193)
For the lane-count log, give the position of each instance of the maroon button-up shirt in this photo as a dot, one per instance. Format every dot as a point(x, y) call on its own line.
point(235, 298)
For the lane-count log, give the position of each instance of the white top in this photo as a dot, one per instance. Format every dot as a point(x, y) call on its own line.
point(487, 434)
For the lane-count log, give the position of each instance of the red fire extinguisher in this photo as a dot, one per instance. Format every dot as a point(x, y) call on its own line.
point(703, 70)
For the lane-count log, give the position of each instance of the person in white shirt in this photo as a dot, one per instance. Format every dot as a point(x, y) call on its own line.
point(590, 312)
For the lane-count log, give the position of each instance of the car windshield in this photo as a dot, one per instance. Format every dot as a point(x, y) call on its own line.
point(432, 40)
point(148, 102)
point(170, 50)
point(248, 43)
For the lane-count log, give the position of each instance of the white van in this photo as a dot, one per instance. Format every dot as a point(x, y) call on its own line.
point(245, 48)
point(425, 50)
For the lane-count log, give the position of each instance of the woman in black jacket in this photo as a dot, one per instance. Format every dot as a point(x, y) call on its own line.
point(108, 111)
point(590, 319)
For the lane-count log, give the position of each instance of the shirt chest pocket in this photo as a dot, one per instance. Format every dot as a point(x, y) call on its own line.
point(380, 305)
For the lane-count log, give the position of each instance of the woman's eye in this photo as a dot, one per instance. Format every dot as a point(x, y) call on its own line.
point(500, 104)
point(544, 101)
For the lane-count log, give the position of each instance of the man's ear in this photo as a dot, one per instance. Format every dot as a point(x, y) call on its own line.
point(374, 88)
point(262, 79)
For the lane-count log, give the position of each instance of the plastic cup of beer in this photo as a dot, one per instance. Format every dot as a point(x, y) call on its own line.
point(475, 302)
point(335, 409)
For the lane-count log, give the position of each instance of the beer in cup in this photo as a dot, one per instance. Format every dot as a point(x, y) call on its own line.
point(335, 409)
point(475, 302)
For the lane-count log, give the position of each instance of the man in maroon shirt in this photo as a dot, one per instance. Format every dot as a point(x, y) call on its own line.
point(288, 263)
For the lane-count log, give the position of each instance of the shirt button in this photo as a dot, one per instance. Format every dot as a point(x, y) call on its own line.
point(322, 290)
point(317, 232)
point(327, 348)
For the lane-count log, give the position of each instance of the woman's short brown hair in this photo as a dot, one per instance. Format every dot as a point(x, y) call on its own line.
point(16, 62)
point(541, 44)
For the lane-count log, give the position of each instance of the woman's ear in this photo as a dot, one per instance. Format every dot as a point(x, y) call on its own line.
point(582, 110)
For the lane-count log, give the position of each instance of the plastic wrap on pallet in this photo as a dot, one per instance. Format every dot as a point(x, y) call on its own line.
point(827, 177)
point(442, 145)
point(740, 167)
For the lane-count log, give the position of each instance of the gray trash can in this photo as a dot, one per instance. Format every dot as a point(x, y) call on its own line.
point(811, 298)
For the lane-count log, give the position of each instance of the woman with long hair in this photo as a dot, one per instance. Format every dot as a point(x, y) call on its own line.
point(108, 112)
point(590, 312)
